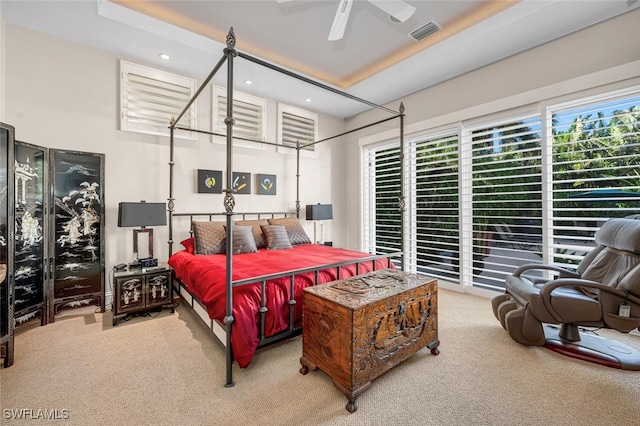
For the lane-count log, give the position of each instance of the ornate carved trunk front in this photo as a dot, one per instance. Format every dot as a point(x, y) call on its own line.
point(358, 328)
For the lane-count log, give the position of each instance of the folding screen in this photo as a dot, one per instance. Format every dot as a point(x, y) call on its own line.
point(76, 235)
point(6, 242)
point(31, 203)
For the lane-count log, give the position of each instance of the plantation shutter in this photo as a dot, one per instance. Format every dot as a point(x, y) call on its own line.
point(152, 98)
point(382, 219)
point(506, 177)
point(434, 186)
point(249, 118)
point(296, 128)
point(155, 102)
point(595, 163)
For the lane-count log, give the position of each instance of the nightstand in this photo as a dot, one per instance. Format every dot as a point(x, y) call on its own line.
point(138, 290)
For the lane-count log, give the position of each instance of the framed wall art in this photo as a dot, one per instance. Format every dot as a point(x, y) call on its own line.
point(241, 183)
point(266, 184)
point(209, 181)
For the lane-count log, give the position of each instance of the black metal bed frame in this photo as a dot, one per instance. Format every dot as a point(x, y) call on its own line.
point(229, 202)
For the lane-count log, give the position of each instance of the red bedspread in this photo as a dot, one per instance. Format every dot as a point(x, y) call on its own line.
point(205, 278)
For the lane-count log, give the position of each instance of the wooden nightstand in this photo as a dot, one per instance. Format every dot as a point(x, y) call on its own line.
point(139, 290)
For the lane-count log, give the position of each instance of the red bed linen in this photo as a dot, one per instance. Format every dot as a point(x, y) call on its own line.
point(204, 275)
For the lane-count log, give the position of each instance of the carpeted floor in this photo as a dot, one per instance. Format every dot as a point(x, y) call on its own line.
point(166, 370)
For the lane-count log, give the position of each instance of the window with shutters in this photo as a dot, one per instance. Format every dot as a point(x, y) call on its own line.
point(297, 125)
point(382, 220)
point(506, 198)
point(151, 98)
point(249, 113)
point(433, 165)
point(595, 170)
point(493, 193)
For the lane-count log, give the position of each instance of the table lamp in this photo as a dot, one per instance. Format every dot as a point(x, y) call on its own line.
point(142, 214)
point(318, 213)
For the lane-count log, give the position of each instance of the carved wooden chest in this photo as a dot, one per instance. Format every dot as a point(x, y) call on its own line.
point(358, 328)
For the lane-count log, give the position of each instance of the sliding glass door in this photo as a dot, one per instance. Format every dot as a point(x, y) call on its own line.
point(483, 198)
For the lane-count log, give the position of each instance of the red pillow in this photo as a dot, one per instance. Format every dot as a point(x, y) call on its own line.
point(189, 245)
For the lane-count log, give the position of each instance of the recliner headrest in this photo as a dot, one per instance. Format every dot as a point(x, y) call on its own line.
point(620, 234)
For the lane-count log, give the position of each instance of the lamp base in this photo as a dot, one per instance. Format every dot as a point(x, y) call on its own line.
point(315, 232)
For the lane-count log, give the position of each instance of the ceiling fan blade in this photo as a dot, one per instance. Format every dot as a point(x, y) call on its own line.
point(340, 20)
point(396, 8)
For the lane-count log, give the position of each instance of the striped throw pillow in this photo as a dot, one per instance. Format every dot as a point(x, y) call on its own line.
point(276, 236)
point(294, 230)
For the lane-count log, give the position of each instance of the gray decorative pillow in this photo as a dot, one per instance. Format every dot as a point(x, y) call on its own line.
point(257, 231)
point(209, 237)
point(243, 241)
point(276, 236)
point(294, 230)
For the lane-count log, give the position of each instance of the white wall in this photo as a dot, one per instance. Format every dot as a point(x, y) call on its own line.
point(64, 95)
point(605, 54)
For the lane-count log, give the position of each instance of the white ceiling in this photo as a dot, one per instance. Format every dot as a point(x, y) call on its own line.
point(376, 60)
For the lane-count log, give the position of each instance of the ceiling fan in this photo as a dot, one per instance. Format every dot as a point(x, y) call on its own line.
point(399, 10)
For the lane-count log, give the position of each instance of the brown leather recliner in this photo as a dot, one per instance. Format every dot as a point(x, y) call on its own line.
point(603, 292)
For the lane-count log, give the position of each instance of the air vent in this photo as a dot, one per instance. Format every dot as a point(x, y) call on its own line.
point(424, 31)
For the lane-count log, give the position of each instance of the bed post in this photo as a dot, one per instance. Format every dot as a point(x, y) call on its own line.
point(298, 179)
point(229, 202)
point(401, 199)
point(170, 204)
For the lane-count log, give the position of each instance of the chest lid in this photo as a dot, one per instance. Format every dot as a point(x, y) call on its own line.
point(368, 288)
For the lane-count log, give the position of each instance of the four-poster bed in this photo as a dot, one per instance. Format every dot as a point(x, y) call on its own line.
point(252, 299)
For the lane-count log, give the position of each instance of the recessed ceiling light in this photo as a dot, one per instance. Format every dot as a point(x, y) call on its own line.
point(308, 100)
point(164, 56)
point(248, 82)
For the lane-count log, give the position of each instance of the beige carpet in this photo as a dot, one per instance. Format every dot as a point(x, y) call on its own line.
point(166, 370)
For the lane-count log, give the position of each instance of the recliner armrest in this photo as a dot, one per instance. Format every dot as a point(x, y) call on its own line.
point(521, 289)
point(569, 282)
point(565, 272)
point(547, 289)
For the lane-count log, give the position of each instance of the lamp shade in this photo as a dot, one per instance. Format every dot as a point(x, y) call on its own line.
point(319, 211)
point(142, 214)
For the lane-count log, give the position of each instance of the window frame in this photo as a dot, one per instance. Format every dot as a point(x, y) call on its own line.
point(127, 68)
point(303, 113)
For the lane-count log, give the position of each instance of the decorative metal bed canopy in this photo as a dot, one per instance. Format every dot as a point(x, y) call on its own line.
point(229, 54)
